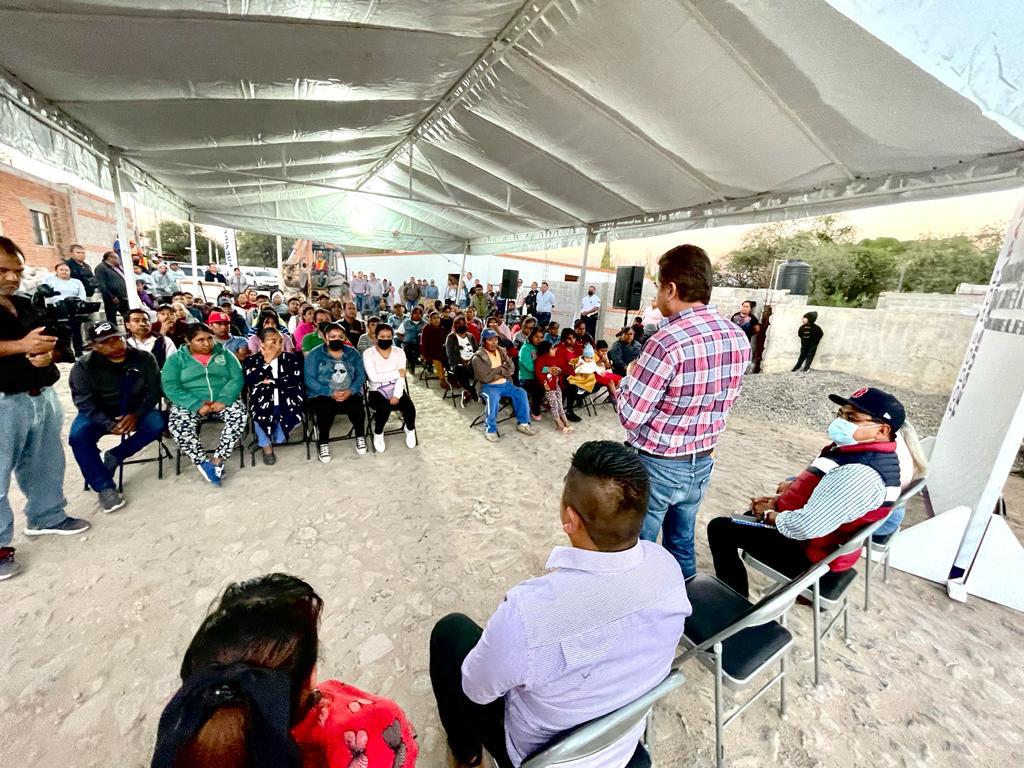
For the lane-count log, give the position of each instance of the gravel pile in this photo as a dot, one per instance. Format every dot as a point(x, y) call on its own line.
point(801, 399)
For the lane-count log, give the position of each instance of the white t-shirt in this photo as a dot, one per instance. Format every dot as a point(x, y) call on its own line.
point(150, 344)
point(382, 371)
point(465, 347)
point(590, 302)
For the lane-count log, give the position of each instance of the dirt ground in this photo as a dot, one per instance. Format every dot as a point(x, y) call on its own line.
point(94, 630)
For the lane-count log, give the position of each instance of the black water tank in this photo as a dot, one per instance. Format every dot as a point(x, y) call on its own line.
point(794, 276)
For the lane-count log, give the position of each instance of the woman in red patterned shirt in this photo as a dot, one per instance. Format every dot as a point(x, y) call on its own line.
point(250, 698)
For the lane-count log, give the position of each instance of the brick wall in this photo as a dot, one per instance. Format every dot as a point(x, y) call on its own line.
point(92, 224)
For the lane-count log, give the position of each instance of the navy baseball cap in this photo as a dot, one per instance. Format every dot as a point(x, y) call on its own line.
point(103, 330)
point(879, 405)
point(489, 334)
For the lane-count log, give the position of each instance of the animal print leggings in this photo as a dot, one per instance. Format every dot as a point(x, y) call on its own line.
point(553, 397)
point(184, 426)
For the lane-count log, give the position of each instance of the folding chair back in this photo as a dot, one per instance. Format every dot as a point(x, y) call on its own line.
point(598, 735)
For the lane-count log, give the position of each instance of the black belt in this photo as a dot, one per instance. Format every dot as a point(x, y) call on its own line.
point(683, 457)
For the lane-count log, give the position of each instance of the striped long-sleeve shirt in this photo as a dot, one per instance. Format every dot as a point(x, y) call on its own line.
point(687, 377)
point(843, 495)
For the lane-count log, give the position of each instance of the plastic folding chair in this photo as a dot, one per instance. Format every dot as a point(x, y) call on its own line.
point(504, 407)
point(737, 640)
point(302, 428)
point(829, 592)
point(163, 452)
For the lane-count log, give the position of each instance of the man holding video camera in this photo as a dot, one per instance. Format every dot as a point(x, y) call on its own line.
point(30, 417)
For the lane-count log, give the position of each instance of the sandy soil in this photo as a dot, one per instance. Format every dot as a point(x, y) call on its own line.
point(93, 632)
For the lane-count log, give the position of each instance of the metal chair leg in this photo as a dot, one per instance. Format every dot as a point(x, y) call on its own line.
point(867, 577)
point(846, 619)
point(782, 678)
point(816, 619)
point(719, 728)
point(885, 565)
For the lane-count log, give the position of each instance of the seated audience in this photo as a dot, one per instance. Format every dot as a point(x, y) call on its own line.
point(273, 379)
point(116, 389)
point(354, 328)
point(278, 304)
point(493, 368)
point(494, 324)
point(142, 289)
point(432, 347)
point(385, 377)
point(552, 336)
point(269, 318)
point(140, 336)
point(605, 377)
point(460, 346)
point(169, 325)
point(203, 380)
point(624, 351)
point(321, 319)
point(573, 644)
point(853, 482)
point(250, 696)
point(221, 327)
point(549, 374)
point(397, 318)
point(501, 327)
point(474, 324)
point(293, 318)
point(527, 358)
point(334, 385)
point(409, 334)
point(226, 304)
point(520, 337)
point(304, 324)
point(567, 352)
point(369, 338)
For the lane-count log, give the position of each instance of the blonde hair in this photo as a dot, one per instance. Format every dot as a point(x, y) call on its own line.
point(916, 451)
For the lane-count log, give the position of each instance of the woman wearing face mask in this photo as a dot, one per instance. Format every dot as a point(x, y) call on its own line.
point(385, 376)
point(273, 379)
point(852, 483)
point(334, 376)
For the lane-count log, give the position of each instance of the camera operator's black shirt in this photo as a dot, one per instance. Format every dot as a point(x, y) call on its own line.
point(17, 374)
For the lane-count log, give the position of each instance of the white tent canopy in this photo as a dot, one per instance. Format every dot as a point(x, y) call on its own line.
point(427, 124)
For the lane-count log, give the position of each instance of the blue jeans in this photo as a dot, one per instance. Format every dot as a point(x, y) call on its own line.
point(31, 448)
point(891, 525)
point(677, 489)
point(85, 434)
point(263, 439)
point(493, 394)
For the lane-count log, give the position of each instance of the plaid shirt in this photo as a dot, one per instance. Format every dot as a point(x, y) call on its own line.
point(686, 378)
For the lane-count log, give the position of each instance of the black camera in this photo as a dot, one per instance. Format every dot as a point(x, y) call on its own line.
point(63, 317)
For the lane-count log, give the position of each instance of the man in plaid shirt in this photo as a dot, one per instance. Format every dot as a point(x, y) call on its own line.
point(675, 398)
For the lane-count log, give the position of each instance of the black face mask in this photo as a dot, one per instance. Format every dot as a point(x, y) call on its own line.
point(460, 329)
point(336, 345)
point(385, 343)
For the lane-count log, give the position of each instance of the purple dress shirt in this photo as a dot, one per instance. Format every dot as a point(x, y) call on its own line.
point(595, 633)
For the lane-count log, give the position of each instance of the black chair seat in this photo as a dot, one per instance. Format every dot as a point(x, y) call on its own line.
point(835, 583)
point(715, 607)
point(881, 538)
point(640, 758)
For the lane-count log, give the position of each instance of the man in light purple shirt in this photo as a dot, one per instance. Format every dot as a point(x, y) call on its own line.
point(596, 632)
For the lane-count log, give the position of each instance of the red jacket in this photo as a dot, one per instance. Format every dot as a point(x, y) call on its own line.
point(879, 456)
point(349, 728)
point(564, 355)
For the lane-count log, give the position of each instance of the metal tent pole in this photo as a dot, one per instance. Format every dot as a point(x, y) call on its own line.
point(192, 248)
point(462, 274)
point(280, 256)
point(581, 291)
point(159, 242)
point(134, 302)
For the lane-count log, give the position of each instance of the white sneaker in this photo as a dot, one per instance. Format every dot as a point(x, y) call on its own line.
point(492, 437)
point(378, 443)
point(361, 445)
point(410, 438)
point(324, 453)
point(526, 429)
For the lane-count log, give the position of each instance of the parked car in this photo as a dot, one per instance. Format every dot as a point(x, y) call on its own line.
point(261, 278)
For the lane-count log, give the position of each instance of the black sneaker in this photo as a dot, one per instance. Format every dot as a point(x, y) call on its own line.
point(69, 526)
point(571, 416)
point(110, 463)
point(111, 500)
point(8, 567)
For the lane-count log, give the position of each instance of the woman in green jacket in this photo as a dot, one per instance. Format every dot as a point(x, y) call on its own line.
point(203, 380)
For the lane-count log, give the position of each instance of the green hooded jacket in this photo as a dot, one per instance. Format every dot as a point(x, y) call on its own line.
point(188, 383)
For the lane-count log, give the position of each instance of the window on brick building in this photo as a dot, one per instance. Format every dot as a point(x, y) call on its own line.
point(41, 227)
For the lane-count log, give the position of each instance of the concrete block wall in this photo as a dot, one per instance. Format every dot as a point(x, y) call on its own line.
point(969, 304)
point(921, 350)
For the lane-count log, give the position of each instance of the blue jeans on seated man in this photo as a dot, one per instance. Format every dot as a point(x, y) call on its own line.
point(677, 490)
point(890, 526)
point(493, 394)
point(84, 438)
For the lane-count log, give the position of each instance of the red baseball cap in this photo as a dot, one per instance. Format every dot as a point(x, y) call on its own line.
point(218, 317)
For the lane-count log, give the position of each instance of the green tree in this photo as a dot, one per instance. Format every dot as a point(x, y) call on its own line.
point(174, 241)
point(852, 275)
point(606, 257)
point(256, 249)
point(939, 265)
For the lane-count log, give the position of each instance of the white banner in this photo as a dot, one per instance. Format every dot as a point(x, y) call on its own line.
point(230, 249)
point(984, 422)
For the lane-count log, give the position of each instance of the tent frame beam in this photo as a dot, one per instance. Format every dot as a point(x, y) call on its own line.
point(517, 26)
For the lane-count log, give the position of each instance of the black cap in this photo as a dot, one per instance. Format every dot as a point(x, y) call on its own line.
point(878, 404)
point(103, 330)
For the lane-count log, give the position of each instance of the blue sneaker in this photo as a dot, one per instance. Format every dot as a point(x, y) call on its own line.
point(209, 473)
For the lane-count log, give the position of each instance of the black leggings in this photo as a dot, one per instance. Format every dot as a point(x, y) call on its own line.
point(382, 409)
point(326, 408)
point(536, 392)
point(470, 726)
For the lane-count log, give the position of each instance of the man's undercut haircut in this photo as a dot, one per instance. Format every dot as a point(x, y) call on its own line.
point(608, 486)
point(8, 247)
point(689, 267)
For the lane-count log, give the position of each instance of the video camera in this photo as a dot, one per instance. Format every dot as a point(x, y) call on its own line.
point(62, 316)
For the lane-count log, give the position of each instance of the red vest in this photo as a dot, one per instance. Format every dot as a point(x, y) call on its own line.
point(879, 456)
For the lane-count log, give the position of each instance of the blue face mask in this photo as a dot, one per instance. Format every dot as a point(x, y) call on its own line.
point(840, 432)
